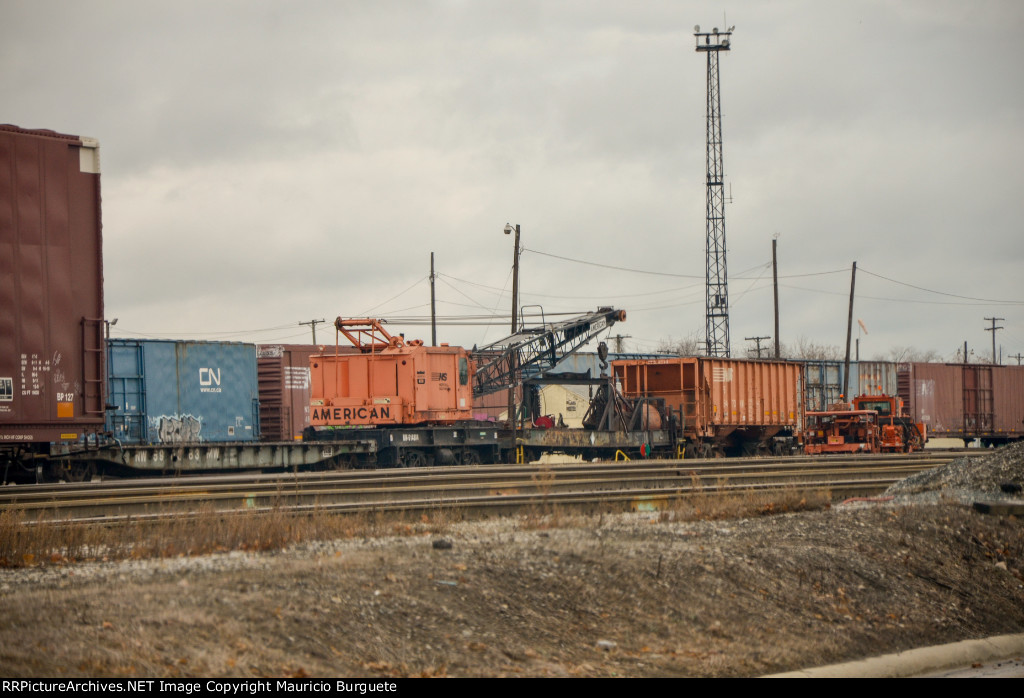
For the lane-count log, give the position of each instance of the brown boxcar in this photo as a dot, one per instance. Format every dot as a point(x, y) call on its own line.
point(727, 405)
point(284, 388)
point(965, 401)
point(51, 292)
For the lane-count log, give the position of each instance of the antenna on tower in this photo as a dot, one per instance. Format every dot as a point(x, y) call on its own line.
point(717, 295)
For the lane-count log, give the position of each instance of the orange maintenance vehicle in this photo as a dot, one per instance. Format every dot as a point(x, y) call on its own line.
point(872, 424)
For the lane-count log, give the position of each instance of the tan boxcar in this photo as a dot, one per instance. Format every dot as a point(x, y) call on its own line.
point(730, 406)
point(965, 401)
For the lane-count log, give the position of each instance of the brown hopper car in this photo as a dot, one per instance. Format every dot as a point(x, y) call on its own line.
point(52, 392)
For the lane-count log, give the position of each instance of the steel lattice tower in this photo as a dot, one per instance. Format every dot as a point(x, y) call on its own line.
point(717, 297)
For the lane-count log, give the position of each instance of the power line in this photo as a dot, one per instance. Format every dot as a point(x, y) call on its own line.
point(880, 298)
point(588, 297)
point(942, 293)
point(420, 280)
point(611, 266)
point(680, 276)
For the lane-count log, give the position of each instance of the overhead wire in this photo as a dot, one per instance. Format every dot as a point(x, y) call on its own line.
point(415, 284)
point(942, 293)
point(589, 297)
point(764, 268)
point(861, 296)
point(664, 273)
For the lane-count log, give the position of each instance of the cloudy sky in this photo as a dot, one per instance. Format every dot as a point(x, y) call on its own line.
point(266, 163)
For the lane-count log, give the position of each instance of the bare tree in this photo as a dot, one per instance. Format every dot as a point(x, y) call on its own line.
point(908, 354)
point(691, 345)
point(806, 349)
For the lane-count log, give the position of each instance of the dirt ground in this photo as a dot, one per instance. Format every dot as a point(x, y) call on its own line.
point(562, 595)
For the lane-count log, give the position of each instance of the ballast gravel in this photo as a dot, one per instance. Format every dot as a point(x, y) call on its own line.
point(548, 595)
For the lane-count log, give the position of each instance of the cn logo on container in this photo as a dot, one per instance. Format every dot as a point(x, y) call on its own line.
point(209, 380)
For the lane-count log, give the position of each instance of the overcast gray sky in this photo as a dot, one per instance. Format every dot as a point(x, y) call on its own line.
point(266, 163)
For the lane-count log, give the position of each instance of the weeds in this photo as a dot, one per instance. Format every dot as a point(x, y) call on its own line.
point(702, 506)
point(26, 543)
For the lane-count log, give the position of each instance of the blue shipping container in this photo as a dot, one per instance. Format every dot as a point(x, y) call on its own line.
point(182, 392)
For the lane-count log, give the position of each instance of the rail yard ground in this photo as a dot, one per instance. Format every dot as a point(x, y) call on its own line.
point(689, 591)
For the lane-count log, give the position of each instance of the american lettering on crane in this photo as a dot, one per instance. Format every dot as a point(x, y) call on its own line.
point(338, 414)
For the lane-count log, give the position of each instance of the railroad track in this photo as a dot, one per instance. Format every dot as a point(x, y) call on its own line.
point(638, 485)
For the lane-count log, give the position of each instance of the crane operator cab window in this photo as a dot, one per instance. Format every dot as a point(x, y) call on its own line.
point(463, 370)
point(882, 407)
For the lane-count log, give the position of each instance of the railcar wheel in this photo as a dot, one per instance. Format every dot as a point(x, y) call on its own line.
point(470, 457)
point(414, 459)
point(79, 472)
point(348, 461)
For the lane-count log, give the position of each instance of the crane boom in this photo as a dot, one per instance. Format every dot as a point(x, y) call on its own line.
point(500, 363)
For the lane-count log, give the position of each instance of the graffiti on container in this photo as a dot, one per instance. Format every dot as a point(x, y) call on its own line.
point(183, 429)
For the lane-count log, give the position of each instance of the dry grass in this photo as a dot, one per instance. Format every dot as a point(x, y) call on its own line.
point(709, 507)
point(26, 543)
point(702, 503)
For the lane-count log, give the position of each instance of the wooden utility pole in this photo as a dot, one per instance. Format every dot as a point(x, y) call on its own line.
point(515, 317)
point(849, 335)
point(993, 329)
point(313, 323)
point(433, 309)
point(758, 340)
point(775, 280)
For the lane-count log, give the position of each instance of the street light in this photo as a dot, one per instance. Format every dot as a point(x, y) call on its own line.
point(515, 273)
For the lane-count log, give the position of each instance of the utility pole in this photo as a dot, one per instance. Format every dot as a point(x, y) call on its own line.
point(716, 276)
point(515, 274)
point(993, 329)
point(511, 358)
point(313, 323)
point(775, 282)
point(433, 309)
point(849, 334)
point(1017, 356)
point(758, 340)
point(618, 341)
